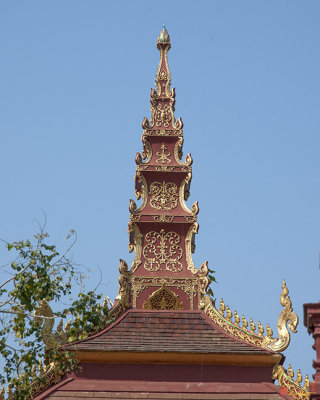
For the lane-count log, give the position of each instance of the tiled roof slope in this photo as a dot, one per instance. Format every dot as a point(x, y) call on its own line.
point(165, 331)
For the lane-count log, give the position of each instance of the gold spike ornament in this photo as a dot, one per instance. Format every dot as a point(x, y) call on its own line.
point(244, 323)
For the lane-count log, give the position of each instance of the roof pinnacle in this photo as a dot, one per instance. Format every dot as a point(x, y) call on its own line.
point(164, 36)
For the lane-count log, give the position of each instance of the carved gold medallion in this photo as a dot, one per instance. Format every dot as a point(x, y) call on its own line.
point(164, 196)
point(163, 299)
point(162, 251)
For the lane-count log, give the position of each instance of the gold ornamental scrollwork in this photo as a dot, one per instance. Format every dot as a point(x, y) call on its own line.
point(163, 115)
point(163, 218)
point(164, 196)
point(124, 284)
point(162, 251)
point(294, 388)
point(163, 168)
point(163, 299)
point(190, 247)
point(163, 155)
point(188, 285)
point(287, 317)
point(135, 240)
point(141, 191)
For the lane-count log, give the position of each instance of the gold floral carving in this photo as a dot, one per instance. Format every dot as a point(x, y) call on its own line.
point(163, 115)
point(294, 388)
point(189, 285)
point(123, 293)
point(163, 156)
point(163, 299)
point(190, 247)
point(162, 251)
point(287, 317)
point(163, 132)
point(163, 218)
point(164, 196)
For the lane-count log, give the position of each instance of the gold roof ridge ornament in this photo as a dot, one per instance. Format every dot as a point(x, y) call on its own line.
point(291, 385)
point(286, 317)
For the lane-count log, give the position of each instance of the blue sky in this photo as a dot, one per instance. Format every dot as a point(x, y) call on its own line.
point(74, 88)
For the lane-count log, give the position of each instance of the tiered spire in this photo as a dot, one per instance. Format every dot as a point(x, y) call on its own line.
point(162, 229)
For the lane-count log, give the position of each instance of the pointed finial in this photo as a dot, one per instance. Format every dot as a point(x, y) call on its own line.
point(164, 36)
point(260, 329)
point(229, 314)
point(244, 323)
point(236, 318)
point(306, 383)
point(290, 372)
point(252, 326)
point(222, 307)
point(299, 377)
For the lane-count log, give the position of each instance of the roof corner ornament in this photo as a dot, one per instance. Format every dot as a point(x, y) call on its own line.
point(123, 293)
point(44, 315)
point(286, 318)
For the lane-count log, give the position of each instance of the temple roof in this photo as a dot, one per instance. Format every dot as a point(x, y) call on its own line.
point(168, 339)
point(166, 331)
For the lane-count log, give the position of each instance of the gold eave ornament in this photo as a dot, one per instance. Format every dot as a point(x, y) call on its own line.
point(287, 319)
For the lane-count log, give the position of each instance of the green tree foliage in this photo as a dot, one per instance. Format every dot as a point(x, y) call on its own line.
point(40, 273)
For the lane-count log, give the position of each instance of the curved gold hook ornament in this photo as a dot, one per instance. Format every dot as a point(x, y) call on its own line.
point(287, 317)
point(43, 314)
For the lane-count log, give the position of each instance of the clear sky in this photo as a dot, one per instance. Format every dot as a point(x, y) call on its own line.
point(74, 88)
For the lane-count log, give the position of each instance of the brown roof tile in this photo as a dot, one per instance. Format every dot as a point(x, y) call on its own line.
point(165, 331)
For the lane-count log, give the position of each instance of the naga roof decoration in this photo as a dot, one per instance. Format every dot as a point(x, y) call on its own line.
point(163, 284)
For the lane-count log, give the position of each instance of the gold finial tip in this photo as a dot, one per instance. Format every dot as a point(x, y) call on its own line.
point(164, 36)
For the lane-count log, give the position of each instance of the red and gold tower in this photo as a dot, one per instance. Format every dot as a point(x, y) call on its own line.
point(162, 229)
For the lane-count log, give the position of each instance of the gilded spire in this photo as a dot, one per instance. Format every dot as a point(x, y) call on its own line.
point(163, 78)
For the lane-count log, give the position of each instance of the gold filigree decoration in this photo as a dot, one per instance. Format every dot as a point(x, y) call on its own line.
point(44, 314)
point(190, 219)
point(163, 115)
point(190, 246)
point(188, 285)
point(135, 218)
point(286, 382)
point(123, 293)
point(163, 156)
point(164, 196)
point(163, 299)
point(162, 251)
point(287, 317)
point(163, 218)
point(163, 168)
